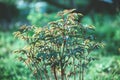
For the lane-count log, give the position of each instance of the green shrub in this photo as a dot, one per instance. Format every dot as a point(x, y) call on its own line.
point(60, 49)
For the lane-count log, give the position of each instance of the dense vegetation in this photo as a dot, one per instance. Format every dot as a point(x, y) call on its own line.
point(106, 65)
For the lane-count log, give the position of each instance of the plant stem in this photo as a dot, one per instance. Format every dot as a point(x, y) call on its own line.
point(62, 71)
point(54, 71)
point(74, 68)
point(61, 63)
point(47, 77)
point(80, 70)
point(82, 73)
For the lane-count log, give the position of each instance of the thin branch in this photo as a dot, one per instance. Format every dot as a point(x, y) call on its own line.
point(54, 71)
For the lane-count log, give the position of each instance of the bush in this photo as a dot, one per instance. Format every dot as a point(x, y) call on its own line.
point(59, 50)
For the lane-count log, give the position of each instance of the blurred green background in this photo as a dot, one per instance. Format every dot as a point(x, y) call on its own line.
point(103, 14)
